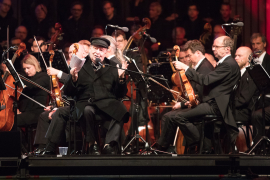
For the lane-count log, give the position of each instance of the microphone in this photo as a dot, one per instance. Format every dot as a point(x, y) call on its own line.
point(98, 61)
point(153, 40)
point(233, 24)
point(258, 52)
point(125, 29)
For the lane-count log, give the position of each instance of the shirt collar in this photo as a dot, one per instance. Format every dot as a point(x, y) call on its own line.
point(221, 60)
point(260, 59)
point(198, 64)
point(243, 70)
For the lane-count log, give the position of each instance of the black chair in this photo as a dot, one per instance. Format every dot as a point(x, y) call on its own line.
point(241, 124)
point(207, 119)
point(29, 130)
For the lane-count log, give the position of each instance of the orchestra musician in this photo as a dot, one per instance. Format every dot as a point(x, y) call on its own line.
point(221, 82)
point(29, 111)
point(195, 52)
point(96, 91)
point(258, 42)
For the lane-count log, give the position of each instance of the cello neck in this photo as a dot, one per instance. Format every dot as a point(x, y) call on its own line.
point(128, 43)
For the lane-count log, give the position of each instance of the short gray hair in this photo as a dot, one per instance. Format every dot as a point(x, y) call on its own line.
point(228, 42)
point(256, 35)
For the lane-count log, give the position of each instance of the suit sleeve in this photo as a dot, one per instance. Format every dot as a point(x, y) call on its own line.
point(64, 78)
point(70, 88)
point(214, 76)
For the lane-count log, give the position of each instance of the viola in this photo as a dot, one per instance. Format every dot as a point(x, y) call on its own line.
point(7, 96)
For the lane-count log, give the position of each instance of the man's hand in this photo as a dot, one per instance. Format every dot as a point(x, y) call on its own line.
point(48, 108)
point(188, 104)
point(51, 113)
point(74, 74)
point(177, 106)
point(121, 72)
point(51, 71)
point(18, 112)
point(179, 65)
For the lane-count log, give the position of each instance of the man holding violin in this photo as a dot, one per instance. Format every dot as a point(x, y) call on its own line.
point(220, 82)
point(195, 51)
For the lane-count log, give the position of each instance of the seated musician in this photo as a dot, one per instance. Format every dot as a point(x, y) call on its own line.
point(96, 90)
point(195, 51)
point(45, 118)
point(29, 111)
point(221, 82)
point(41, 44)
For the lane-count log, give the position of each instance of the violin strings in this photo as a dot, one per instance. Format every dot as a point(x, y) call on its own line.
point(28, 80)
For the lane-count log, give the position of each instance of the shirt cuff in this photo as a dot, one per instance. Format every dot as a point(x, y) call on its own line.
point(59, 75)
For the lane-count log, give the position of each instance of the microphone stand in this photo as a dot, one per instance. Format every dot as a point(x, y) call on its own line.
point(137, 136)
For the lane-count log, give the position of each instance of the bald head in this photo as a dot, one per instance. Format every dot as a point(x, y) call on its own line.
point(241, 56)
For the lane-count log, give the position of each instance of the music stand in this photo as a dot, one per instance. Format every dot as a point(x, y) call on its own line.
point(17, 82)
point(59, 60)
point(262, 81)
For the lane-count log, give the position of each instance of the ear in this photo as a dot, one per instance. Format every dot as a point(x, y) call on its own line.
point(264, 45)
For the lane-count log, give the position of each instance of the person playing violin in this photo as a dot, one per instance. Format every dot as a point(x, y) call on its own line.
point(221, 82)
point(195, 52)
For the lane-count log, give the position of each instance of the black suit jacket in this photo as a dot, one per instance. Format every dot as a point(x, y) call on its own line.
point(34, 92)
point(245, 95)
point(220, 82)
point(204, 68)
point(106, 87)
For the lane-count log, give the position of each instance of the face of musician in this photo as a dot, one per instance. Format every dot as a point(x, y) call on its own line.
point(121, 42)
point(182, 57)
point(257, 44)
point(29, 69)
point(225, 11)
point(76, 11)
point(193, 12)
point(187, 59)
point(241, 56)
point(97, 32)
point(108, 10)
point(21, 33)
point(219, 49)
point(154, 10)
point(193, 57)
point(34, 47)
point(97, 52)
point(5, 6)
point(41, 12)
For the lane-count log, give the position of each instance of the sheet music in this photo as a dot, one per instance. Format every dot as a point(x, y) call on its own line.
point(9, 63)
point(76, 62)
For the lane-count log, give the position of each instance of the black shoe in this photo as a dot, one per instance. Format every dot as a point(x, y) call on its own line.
point(94, 150)
point(37, 152)
point(211, 151)
point(45, 152)
point(110, 149)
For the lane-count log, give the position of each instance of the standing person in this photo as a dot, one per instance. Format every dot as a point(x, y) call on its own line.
point(76, 27)
point(221, 82)
point(6, 19)
point(96, 91)
point(258, 42)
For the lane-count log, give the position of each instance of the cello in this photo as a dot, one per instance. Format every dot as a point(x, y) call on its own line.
point(7, 96)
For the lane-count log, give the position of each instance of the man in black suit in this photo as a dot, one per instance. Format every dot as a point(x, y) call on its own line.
point(195, 51)
point(220, 82)
point(258, 42)
point(95, 90)
point(246, 91)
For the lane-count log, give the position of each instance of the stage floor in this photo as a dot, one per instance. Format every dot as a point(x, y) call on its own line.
point(137, 166)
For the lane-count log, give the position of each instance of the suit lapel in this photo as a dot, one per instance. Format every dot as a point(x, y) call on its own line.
point(88, 68)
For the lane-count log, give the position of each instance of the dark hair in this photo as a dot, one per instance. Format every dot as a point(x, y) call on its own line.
point(76, 3)
point(194, 45)
point(256, 35)
point(118, 33)
point(182, 48)
point(194, 4)
point(106, 2)
point(225, 4)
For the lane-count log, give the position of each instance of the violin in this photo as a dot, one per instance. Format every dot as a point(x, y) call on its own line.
point(7, 96)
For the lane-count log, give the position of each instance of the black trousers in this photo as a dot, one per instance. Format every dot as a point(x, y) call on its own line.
point(56, 130)
point(256, 122)
point(42, 127)
point(184, 118)
point(28, 117)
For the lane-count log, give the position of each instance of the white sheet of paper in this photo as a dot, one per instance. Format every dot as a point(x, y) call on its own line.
point(76, 62)
point(21, 83)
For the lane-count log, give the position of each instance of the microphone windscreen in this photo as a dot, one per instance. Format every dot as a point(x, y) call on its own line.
point(240, 24)
point(125, 29)
point(153, 40)
point(98, 60)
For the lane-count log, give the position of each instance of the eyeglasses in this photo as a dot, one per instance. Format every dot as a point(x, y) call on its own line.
point(217, 46)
